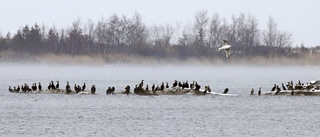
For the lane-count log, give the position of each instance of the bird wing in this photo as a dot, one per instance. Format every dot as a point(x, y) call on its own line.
point(227, 53)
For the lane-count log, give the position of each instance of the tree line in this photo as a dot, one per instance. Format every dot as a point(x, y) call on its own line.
point(125, 35)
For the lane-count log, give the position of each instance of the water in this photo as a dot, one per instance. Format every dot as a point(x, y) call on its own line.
point(180, 115)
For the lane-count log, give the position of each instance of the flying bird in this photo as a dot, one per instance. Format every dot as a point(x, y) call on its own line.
point(226, 47)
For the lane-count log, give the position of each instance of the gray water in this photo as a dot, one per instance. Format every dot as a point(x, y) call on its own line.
point(165, 115)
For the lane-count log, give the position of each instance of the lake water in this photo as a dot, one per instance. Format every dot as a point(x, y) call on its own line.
point(164, 115)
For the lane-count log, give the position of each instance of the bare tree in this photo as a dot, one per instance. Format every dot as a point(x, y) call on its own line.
point(271, 33)
point(200, 24)
point(215, 31)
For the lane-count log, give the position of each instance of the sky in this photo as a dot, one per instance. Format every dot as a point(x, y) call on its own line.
point(299, 17)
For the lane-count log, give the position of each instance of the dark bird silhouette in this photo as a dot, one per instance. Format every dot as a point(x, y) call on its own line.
point(127, 89)
point(83, 87)
point(284, 87)
point(10, 89)
point(208, 88)
point(112, 90)
point(278, 90)
point(175, 83)
point(52, 85)
point(147, 88)
point(153, 87)
point(49, 86)
point(259, 92)
point(68, 89)
point(39, 86)
point(180, 84)
point(274, 87)
point(167, 85)
point(57, 85)
point(162, 86)
point(186, 85)
point(252, 91)
point(141, 84)
point(18, 88)
point(157, 88)
point(34, 87)
point(197, 86)
point(226, 91)
point(93, 89)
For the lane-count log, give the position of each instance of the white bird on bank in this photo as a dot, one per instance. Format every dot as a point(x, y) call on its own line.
point(226, 47)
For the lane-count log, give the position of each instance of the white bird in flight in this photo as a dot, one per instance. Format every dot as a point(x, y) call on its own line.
point(226, 47)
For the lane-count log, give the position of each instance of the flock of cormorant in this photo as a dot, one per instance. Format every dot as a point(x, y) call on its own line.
point(177, 88)
point(139, 89)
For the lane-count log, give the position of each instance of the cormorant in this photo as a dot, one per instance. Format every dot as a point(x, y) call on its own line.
point(112, 90)
point(68, 89)
point(127, 89)
point(84, 86)
point(226, 91)
point(274, 87)
point(167, 85)
point(147, 88)
point(162, 86)
point(39, 86)
point(252, 91)
point(93, 89)
point(259, 92)
point(153, 87)
point(52, 85)
point(18, 89)
point(186, 85)
point(10, 89)
point(108, 91)
point(278, 90)
point(197, 86)
point(34, 87)
point(283, 87)
point(141, 84)
point(179, 84)
point(175, 83)
point(57, 86)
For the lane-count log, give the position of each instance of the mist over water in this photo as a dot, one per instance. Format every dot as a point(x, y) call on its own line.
point(164, 115)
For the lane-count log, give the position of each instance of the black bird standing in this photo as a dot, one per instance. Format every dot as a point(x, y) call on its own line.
point(175, 83)
point(252, 91)
point(162, 86)
point(93, 89)
point(52, 85)
point(284, 87)
point(84, 86)
point(259, 92)
point(18, 89)
point(57, 86)
point(274, 87)
point(39, 86)
point(127, 90)
point(153, 87)
point(10, 89)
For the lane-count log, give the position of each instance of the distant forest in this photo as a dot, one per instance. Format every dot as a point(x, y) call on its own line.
point(130, 36)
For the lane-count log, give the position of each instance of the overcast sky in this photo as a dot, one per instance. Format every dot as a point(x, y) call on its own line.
point(300, 17)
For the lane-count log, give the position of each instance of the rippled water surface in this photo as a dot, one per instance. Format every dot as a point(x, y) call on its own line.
point(165, 115)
